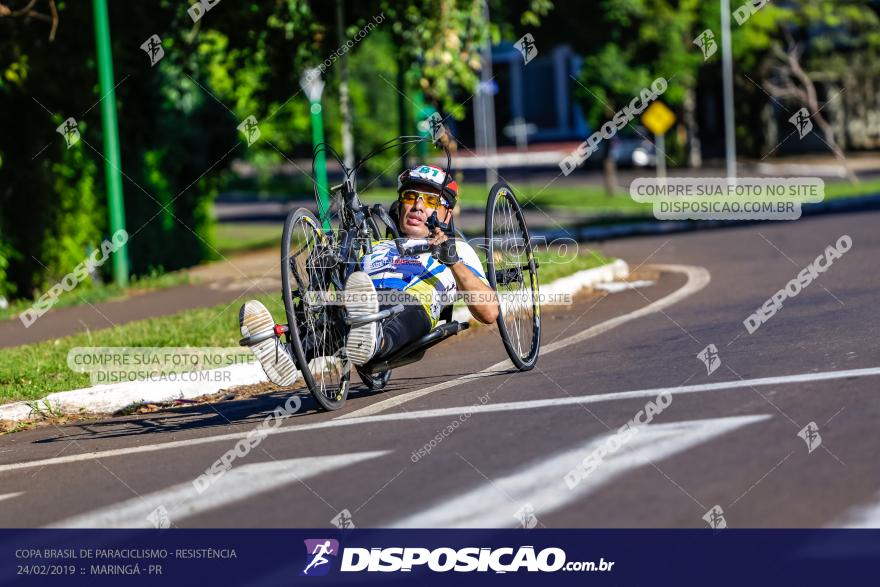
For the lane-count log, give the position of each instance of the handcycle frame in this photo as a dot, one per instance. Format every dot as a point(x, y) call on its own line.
point(358, 227)
point(364, 214)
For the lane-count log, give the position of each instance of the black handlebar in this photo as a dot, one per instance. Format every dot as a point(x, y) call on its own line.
point(416, 249)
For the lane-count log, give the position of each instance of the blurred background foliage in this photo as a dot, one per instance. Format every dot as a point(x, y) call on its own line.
point(178, 119)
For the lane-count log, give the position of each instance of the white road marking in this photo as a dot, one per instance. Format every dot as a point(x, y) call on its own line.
point(10, 495)
point(619, 286)
point(862, 516)
point(459, 410)
point(238, 484)
point(697, 279)
point(541, 484)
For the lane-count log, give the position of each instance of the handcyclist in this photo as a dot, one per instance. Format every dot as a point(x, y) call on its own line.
point(423, 283)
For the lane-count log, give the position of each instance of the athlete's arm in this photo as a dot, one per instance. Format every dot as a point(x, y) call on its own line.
point(480, 298)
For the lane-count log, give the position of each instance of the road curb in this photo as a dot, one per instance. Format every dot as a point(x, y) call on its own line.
point(570, 284)
point(110, 398)
point(604, 228)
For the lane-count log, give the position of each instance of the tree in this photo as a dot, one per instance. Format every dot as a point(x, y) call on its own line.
point(828, 42)
point(639, 41)
point(789, 81)
point(178, 118)
point(626, 45)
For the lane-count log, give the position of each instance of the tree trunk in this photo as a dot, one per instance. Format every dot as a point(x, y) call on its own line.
point(838, 153)
point(695, 155)
point(609, 171)
point(813, 105)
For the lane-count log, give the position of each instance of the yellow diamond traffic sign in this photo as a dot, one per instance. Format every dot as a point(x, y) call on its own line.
point(658, 118)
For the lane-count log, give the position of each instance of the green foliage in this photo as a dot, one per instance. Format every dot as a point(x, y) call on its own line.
point(444, 38)
point(75, 220)
point(373, 98)
point(629, 42)
point(637, 41)
point(178, 118)
point(6, 252)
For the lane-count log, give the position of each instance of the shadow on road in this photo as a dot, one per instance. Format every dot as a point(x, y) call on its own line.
point(236, 415)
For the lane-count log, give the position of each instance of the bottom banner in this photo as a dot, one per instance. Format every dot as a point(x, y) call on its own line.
point(435, 557)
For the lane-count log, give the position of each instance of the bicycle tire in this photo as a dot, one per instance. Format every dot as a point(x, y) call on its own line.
point(314, 328)
point(520, 331)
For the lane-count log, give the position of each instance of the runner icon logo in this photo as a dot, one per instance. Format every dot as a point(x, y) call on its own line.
point(526, 46)
point(343, 520)
point(154, 50)
point(318, 551)
point(709, 357)
point(526, 516)
point(159, 518)
point(250, 130)
point(707, 44)
point(810, 434)
point(435, 125)
point(715, 518)
point(801, 121)
point(68, 129)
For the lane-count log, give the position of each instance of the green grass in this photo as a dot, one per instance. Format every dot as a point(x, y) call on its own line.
point(592, 199)
point(30, 372)
point(92, 293)
point(553, 266)
point(247, 236)
point(838, 190)
point(586, 198)
point(237, 237)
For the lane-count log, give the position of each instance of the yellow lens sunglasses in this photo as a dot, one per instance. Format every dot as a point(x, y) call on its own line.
point(432, 201)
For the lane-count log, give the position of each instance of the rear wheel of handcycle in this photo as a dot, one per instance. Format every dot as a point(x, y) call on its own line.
point(513, 274)
point(316, 331)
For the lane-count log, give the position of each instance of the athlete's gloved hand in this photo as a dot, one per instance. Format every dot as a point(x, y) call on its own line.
point(444, 247)
point(445, 252)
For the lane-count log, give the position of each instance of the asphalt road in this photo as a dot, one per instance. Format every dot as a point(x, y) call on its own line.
point(725, 440)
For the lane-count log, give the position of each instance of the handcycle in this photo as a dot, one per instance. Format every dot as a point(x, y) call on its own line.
point(319, 253)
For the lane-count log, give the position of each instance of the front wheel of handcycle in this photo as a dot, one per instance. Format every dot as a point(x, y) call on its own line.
point(310, 279)
point(513, 273)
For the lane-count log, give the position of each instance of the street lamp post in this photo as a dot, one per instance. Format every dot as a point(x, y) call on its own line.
point(484, 108)
point(313, 86)
point(727, 75)
point(110, 132)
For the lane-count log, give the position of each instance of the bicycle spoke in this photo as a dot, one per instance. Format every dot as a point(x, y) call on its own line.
point(316, 317)
point(511, 255)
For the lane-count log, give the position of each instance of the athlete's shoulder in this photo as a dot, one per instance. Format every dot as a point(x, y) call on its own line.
point(463, 245)
point(470, 257)
point(464, 248)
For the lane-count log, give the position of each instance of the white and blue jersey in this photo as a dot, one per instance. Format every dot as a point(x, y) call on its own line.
point(423, 276)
